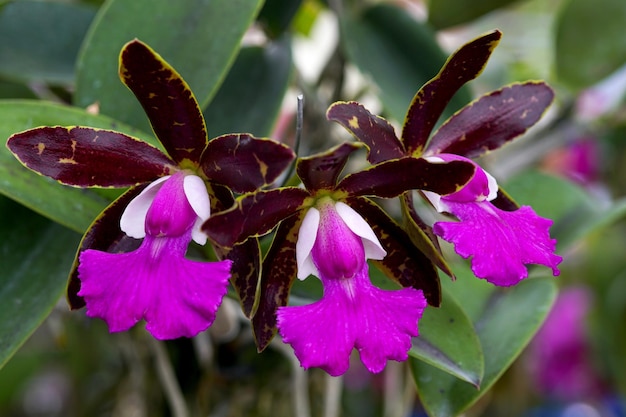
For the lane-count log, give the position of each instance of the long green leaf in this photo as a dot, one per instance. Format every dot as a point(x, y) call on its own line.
point(198, 38)
point(449, 342)
point(40, 40)
point(505, 320)
point(35, 255)
point(72, 207)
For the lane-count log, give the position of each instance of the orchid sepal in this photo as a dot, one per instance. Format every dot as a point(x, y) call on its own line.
point(321, 171)
point(243, 162)
point(88, 157)
point(169, 103)
point(492, 120)
point(392, 178)
point(374, 131)
point(430, 101)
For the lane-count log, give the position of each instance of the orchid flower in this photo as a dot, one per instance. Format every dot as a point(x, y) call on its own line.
point(170, 196)
point(499, 236)
point(329, 229)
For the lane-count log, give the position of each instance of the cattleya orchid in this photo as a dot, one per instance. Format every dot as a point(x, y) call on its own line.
point(170, 196)
point(499, 236)
point(330, 229)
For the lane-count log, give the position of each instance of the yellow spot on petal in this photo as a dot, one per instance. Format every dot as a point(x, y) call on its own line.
point(40, 148)
point(354, 122)
point(67, 161)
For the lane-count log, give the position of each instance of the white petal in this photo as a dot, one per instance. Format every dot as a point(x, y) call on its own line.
point(306, 239)
point(133, 220)
point(198, 197)
point(435, 200)
point(358, 225)
point(493, 186)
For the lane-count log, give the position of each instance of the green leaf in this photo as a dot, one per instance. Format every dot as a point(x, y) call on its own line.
point(72, 207)
point(449, 342)
point(602, 42)
point(505, 320)
point(398, 52)
point(251, 96)
point(35, 255)
point(446, 13)
point(201, 53)
point(40, 40)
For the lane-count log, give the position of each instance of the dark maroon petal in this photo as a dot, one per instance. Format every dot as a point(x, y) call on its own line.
point(245, 271)
point(321, 171)
point(392, 178)
point(166, 98)
point(404, 262)
point(431, 100)
point(254, 214)
point(422, 235)
point(279, 272)
point(504, 201)
point(87, 157)
point(246, 256)
point(104, 234)
point(243, 162)
point(492, 120)
point(374, 131)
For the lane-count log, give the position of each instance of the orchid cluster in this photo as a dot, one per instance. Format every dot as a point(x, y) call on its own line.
point(134, 260)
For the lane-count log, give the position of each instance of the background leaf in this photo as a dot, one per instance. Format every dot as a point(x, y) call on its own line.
point(35, 255)
point(448, 341)
point(584, 57)
point(72, 207)
point(505, 320)
point(202, 53)
point(446, 13)
point(250, 98)
point(398, 52)
point(29, 52)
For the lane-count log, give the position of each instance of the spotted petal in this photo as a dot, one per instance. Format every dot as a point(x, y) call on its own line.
point(430, 101)
point(88, 157)
point(500, 243)
point(166, 98)
point(374, 131)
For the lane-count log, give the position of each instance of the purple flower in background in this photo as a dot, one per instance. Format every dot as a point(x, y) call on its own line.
point(176, 296)
point(500, 243)
point(334, 243)
point(560, 354)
